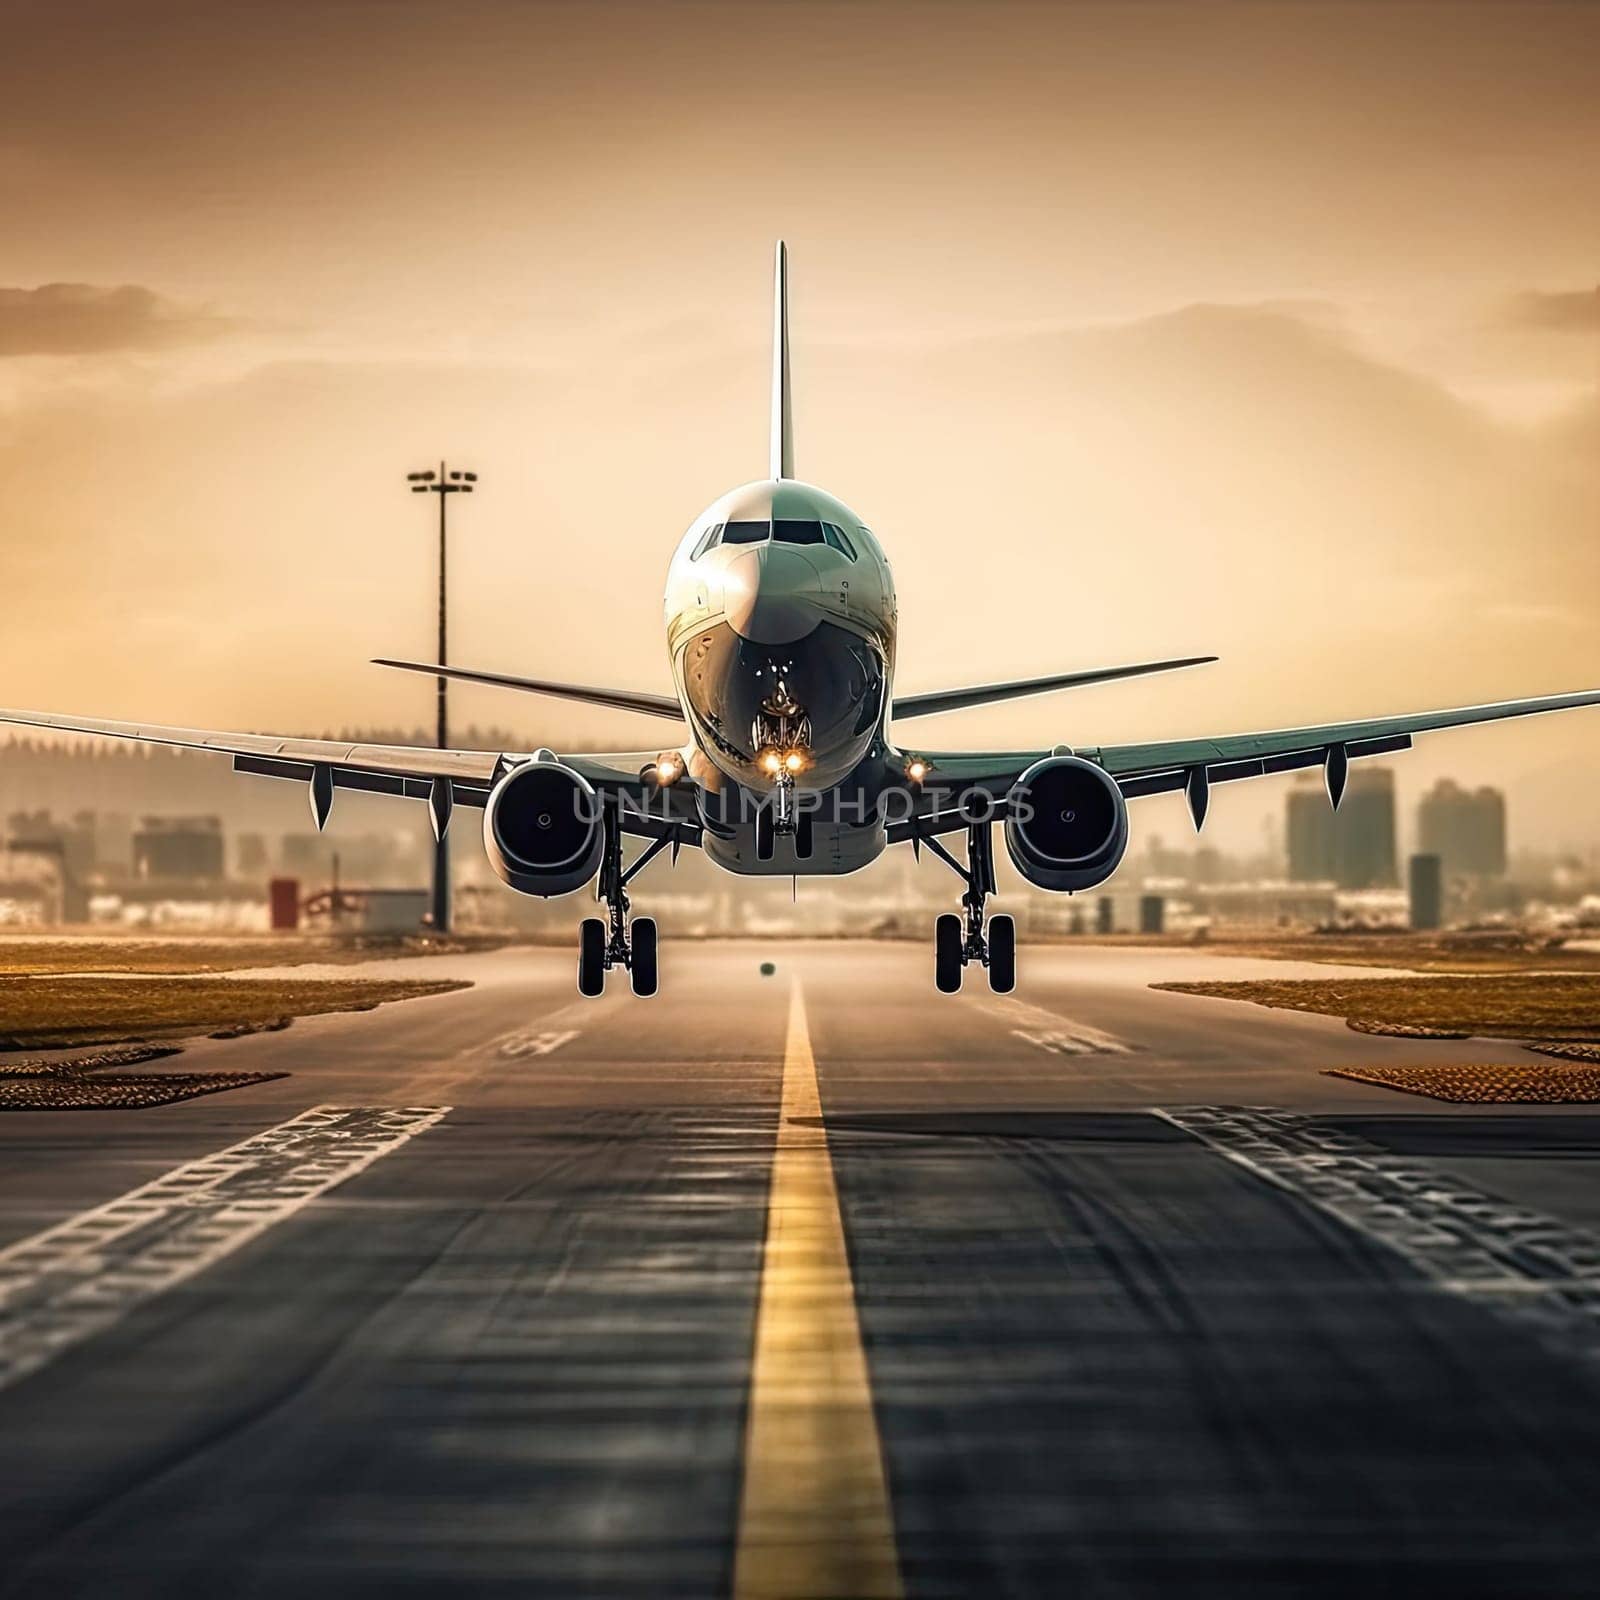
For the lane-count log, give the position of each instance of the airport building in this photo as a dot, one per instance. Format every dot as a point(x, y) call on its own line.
point(179, 848)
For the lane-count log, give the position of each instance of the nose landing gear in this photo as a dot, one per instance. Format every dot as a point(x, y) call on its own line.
point(783, 817)
point(781, 737)
point(612, 941)
point(960, 940)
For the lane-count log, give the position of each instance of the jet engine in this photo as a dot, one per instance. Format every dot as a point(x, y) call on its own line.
point(1066, 824)
point(542, 829)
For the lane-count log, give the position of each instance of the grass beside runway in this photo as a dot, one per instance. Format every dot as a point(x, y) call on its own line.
point(22, 954)
point(1524, 1005)
point(54, 1012)
point(1484, 1083)
point(68, 1089)
point(1465, 952)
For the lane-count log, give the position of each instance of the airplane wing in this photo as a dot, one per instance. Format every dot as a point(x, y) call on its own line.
point(650, 705)
point(1194, 764)
point(983, 694)
point(460, 777)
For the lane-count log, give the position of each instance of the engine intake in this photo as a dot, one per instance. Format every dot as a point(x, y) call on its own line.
point(542, 829)
point(1066, 824)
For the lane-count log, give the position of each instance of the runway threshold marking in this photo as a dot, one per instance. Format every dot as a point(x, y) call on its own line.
point(814, 1515)
point(535, 1042)
point(78, 1278)
point(1529, 1267)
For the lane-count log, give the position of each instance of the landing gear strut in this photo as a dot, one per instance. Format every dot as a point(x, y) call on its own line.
point(960, 940)
point(783, 816)
point(613, 941)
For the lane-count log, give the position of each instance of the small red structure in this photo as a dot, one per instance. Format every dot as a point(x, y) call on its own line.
point(284, 897)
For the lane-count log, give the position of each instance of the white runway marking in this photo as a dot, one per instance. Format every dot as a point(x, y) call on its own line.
point(76, 1279)
point(1527, 1266)
point(1063, 1036)
point(530, 1043)
point(1074, 1041)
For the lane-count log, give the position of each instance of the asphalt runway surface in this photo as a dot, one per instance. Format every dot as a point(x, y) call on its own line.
point(816, 1283)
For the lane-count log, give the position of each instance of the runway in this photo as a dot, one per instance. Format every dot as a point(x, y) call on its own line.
point(811, 1283)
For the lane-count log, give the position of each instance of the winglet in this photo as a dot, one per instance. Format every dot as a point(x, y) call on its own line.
point(782, 403)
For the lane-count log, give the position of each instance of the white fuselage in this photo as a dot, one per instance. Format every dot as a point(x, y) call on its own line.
point(780, 617)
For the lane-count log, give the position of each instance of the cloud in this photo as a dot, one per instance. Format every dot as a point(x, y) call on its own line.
point(72, 319)
point(1567, 311)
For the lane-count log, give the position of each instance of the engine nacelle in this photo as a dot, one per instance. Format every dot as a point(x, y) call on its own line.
point(1066, 824)
point(542, 829)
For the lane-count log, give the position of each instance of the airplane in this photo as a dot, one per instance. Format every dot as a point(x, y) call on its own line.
point(781, 624)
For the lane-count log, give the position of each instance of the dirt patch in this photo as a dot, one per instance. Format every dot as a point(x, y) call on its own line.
point(1495, 1005)
point(1472, 1083)
point(42, 1012)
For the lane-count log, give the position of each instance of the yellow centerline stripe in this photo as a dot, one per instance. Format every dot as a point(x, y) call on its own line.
point(814, 1516)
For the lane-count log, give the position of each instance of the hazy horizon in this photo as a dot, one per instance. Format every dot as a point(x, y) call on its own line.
point(1133, 331)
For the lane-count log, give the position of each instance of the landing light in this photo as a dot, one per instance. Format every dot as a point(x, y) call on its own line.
point(770, 761)
point(794, 761)
point(916, 770)
point(669, 768)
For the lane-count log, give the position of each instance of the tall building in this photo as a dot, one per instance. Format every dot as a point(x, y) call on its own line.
point(1353, 847)
point(1465, 828)
point(1425, 892)
point(1309, 832)
point(1364, 832)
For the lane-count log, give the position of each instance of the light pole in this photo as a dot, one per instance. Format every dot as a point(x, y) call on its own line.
point(444, 484)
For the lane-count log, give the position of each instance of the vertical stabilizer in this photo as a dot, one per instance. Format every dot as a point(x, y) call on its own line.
point(782, 403)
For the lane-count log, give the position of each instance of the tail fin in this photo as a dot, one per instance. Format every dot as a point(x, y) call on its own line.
point(782, 403)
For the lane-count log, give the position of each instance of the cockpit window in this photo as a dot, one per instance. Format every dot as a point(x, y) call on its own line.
point(793, 530)
point(786, 530)
point(838, 539)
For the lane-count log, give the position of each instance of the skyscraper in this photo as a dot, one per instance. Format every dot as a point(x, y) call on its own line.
point(1309, 832)
point(1465, 828)
point(1353, 847)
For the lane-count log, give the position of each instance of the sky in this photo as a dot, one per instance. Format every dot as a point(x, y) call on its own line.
point(1270, 331)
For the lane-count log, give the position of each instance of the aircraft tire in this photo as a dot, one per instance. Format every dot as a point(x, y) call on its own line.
point(643, 970)
point(591, 956)
point(947, 953)
point(764, 832)
point(1002, 954)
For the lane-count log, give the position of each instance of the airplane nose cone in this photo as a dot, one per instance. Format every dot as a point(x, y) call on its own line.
point(771, 595)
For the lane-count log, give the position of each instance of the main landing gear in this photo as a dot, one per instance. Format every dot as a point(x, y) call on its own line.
point(959, 940)
point(614, 941)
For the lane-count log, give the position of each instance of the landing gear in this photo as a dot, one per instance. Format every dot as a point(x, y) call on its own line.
point(1002, 953)
point(591, 956)
point(611, 941)
point(784, 816)
point(643, 971)
point(947, 956)
point(961, 940)
point(781, 738)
